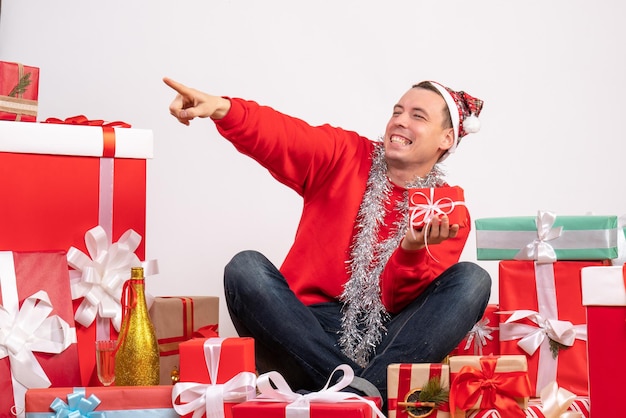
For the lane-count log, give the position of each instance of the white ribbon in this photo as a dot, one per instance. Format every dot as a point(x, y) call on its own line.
point(555, 401)
point(429, 210)
point(209, 398)
point(28, 329)
point(533, 337)
point(621, 242)
point(539, 249)
point(100, 276)
point(422, 214)
point(479, 334)
point(274, 388)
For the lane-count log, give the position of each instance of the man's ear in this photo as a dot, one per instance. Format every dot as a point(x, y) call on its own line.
point(447, 140)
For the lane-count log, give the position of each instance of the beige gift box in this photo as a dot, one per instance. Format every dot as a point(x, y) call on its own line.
point(177, 319)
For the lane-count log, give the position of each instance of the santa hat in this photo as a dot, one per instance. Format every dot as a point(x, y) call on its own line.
point(464, 110)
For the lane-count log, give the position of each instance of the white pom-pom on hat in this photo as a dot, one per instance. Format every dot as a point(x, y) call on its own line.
point(471, 124)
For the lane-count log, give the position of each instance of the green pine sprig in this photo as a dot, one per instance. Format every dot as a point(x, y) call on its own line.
point(21, 86)
point(556, 346)
point(434, 392)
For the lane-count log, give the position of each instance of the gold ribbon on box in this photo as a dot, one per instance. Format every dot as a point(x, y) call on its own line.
point(100, 276)
point(273, 388)
point(208, 399)
point(28, 329)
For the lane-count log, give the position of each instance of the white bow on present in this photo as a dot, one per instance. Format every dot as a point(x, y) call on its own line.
point(200, 398)
point(422, 214)
point(100, 276)
point(555, 401)
point(28, 329)
point(539, 249)
point(274, 388)
point(479, 334)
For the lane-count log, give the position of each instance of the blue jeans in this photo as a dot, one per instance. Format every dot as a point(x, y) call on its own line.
point(301, 342)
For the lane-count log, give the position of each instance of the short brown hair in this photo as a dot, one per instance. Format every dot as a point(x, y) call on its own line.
point(427, 85)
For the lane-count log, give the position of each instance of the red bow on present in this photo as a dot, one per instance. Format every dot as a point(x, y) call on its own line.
point(498, 390)
point(82, 120)
point(108, 130)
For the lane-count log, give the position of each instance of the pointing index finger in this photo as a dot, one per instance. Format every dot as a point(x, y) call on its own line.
point(180, 88)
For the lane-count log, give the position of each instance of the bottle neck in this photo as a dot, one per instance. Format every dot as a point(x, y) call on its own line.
point(133, 295)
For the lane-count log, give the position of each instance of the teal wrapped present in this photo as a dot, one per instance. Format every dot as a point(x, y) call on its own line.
point(547, 238)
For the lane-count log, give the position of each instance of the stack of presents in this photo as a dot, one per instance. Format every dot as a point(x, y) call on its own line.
point(72, 224)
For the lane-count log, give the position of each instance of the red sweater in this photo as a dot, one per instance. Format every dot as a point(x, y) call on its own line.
point(329, 168)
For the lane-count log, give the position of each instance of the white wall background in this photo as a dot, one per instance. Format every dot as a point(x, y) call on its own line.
point(551, 74)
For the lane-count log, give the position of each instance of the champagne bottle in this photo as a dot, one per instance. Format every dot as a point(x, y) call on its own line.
point(137, 356)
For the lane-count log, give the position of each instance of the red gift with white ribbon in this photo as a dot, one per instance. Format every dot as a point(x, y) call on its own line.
point(64, 179)
point(544, 319)
point(213, 399)
point(37, 338)
point(277, 399)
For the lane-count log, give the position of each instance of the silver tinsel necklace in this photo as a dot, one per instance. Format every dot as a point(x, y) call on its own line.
point(364, 315)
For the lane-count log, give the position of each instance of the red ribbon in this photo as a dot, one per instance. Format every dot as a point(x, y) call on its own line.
point(82, 120)
point(497, 390)
point(108, 133)
point(207, 331)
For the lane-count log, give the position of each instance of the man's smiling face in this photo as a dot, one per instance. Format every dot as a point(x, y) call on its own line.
point(415, 136)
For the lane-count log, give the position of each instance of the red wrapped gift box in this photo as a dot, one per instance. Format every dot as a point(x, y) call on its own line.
point(61, 185)
point(405, 378)
point(254, 409)
point(118, 401)
point(483, 382)
point(216, 361)
point(484, 337)
point(177, 319)
point(46, 358)
point(546, 300)
point(19, 91)
point(277, 400)
point(604, 295)
point(428, 203)
point(235, 355)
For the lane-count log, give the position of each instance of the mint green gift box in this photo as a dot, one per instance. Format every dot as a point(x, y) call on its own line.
point(588, 237)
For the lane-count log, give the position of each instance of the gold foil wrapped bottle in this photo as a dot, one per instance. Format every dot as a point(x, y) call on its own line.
point(137, 357)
